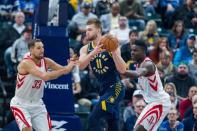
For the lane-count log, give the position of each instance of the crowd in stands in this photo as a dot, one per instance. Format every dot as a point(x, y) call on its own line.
point(169, 28)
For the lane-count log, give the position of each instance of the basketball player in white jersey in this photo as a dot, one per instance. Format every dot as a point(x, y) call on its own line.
point(151, 89)
point(27, 105)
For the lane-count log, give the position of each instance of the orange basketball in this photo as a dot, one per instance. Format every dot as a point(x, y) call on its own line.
point(110, 43)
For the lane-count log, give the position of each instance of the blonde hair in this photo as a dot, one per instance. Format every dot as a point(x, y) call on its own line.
point(173, 87)
point(146, 31)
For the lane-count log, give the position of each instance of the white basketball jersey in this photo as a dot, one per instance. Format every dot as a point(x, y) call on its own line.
point(151, 86)
point(30, 87)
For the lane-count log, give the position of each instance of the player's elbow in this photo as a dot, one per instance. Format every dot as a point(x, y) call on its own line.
point(82, 66)
point(122, 71)
point(45, 77)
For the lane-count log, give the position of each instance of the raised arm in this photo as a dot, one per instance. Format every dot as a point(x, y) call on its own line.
point(29, 67)
point(119, 62)
point(85, 58)
point(148, 68)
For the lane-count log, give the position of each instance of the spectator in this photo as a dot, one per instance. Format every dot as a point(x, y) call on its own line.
point(11, 34)
point(126, 49)
point(187, 103)
point(165, 66)
point(149, 7)
point(187, 14)
point(158, 48)
point(190, 122)
point(182, 80)
point(177, 38)
point(150, 34)
point(122, 32)
point(129, 110)
point(110, 21)
point(102, 7)
point(172, 124)
point(79, 20)
point(134, 13)
point(184, 54)
point(7, 8)
point(15, 31)
point(20, 46)
point(170, 88)
point(167, 9)
point(189, 110)
point(138, 107)
point(27, 6)
point(193, 65)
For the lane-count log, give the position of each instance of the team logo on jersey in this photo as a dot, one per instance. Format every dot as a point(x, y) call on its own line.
point(100, 59)
point(152, 116)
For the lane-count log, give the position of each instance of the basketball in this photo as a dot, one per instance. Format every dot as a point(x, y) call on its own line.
point(110, 43)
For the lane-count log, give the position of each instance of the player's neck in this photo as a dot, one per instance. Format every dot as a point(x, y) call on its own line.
point(96, 41)
point(141, 60)
point(37, 61)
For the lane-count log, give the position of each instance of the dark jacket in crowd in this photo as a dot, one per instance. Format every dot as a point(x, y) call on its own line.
point(182, 83)
point(189, 123)
point(186, 15)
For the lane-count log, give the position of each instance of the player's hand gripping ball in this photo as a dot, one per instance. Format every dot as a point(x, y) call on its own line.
point(110, 43)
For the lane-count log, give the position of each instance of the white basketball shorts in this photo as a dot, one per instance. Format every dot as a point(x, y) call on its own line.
point(153, 114)
point(30, 113)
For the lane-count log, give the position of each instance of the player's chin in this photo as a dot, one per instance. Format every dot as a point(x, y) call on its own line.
point(90, 38)
point(133, 58)
point(41, 56)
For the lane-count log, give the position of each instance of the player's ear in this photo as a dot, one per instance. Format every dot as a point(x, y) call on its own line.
point(30, 49)
point(99, 30)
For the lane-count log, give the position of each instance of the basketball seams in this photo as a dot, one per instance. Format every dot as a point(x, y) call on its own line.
point(109, 42)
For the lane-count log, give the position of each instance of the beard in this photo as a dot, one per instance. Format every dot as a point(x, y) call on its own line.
point(182, 76)
point(38, 57)
point(91, 38)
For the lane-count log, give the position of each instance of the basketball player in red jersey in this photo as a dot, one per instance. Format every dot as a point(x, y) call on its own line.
point(151, 89)
point(27, 105)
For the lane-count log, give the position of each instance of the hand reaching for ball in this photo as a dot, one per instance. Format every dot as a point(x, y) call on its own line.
point(109, 42)
point(98, 49)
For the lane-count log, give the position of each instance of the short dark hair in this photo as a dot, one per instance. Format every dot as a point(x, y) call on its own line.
point(133, 31)
point(32, 42)
point(27, 29)
point(142, 44)
point(95, 21)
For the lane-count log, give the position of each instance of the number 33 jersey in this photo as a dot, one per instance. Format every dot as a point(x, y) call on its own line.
point(28, 86)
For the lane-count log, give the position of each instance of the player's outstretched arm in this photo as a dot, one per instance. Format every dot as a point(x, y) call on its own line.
point(148, 68)
point(29, 67)
point(85, 58)
point(119, 62)
point(55, 66)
